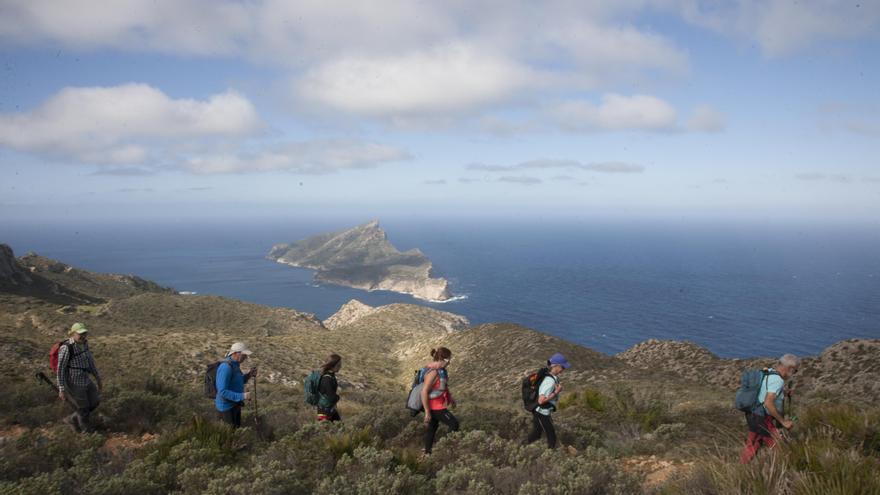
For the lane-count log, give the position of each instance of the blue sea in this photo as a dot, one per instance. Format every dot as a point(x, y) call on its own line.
point(737, 288)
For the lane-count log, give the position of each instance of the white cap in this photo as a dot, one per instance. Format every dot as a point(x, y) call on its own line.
point(239, 347)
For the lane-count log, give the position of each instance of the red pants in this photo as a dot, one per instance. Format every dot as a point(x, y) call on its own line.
point(762, 431)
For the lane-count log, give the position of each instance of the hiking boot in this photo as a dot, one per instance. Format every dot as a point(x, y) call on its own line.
point(73, 422)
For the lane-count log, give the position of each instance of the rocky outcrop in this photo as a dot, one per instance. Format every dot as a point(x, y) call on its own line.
point(12, 274)
point(363, 258)
point(348, 313)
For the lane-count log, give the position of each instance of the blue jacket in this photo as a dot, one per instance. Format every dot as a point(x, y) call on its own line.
point(230, 385)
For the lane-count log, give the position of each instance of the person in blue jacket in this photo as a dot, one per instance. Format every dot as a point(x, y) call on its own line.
point(230, 384)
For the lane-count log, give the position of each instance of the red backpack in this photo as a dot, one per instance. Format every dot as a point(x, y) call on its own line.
point(53, 354)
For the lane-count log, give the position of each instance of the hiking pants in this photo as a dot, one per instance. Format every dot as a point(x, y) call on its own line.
point(542, 425)
point(231, 416)
point(762, 432)
point(86, 400)
point(437, 417)
point(331, 415)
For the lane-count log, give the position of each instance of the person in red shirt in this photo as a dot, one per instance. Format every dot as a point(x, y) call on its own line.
point(436, 397)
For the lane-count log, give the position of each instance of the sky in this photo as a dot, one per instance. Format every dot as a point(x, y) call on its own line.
point(749, 108)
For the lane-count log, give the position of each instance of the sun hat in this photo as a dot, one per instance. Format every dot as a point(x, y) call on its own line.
point(560, 360)
point(77, 328)
point(239, 347)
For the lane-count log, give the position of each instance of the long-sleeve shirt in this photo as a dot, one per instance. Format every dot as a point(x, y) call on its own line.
point(74, 368)
point(230, 385)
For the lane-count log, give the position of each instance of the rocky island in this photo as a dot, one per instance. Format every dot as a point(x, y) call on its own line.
point(363, 258)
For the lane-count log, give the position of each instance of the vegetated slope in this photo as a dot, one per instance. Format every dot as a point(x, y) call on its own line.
point(851, 366)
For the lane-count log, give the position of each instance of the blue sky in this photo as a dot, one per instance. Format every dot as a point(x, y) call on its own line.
point(632, 107)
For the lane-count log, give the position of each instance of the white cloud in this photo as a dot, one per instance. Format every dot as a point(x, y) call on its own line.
point(123, 124)
point(616, 112)
point(602, 167)
point(443, 79)
point(308, 157)
point(519, 179)
point(782, 27)
point(706, 118)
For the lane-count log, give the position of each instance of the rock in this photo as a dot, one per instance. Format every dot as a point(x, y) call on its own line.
point(363, 258)
point(349, 312)
point(12, 274)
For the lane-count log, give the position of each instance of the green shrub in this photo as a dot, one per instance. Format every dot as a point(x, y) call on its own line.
point(587, 398)
point(368, 470)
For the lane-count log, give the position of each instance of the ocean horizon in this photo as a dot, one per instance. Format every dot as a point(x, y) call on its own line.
point(739, 289)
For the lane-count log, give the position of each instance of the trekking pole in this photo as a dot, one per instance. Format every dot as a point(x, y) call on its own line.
point(257, 411)
point(41, 377)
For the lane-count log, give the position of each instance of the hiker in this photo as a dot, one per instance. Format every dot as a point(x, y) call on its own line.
point(75, 364)
point(764, 420)
point(327, 388)
point(436, 396)
point(548, 397)
point(230, 384)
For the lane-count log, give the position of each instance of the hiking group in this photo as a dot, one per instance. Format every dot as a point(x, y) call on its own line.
point(761, 395)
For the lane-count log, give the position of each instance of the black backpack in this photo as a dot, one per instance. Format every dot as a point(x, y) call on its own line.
point(211, 379)
point(530, 385)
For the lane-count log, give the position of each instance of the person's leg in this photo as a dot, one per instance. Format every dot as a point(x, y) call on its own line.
point(430, 431)
point(236, 416)
point(334, 416)
point(549, 430)
point(448, 419)
point(89, 404)
point(78, 396)
point(536, 428)
point(750, 448)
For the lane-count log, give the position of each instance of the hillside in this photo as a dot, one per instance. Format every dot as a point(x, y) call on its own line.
point(645, 420)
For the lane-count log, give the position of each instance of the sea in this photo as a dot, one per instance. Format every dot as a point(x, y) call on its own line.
point(738, 288)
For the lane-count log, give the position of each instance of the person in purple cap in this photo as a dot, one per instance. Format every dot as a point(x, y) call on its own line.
point(548, 396)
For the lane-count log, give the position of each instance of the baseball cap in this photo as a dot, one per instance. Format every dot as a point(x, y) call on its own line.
point(77, 328)
point(239, 347)
point(560, 360)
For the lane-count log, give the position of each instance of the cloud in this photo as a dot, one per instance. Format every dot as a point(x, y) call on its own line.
point(435, 182)
point(782, 27)
point(601, 167)
point(706, 118)
point(199, 189)
point(134, 190)
point(523, 180)
point(468, 180)
point(840, 178)
point(307, 157)
point(615, 112)
point(124, 171)
point(563, 178)
point(448, 78)
point(123, 125)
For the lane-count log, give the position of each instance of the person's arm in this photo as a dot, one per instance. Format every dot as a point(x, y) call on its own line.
point(63, 363)
point(426, 387)
point(327, 387)
point(224, 375)
point(770, 406)
point(549, 392)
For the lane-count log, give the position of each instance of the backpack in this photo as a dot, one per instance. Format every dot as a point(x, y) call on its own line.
point(746, 399)
point(53, 354)
point(414, 399)
point(311, 388)
point(530, 385)
point(211, 379)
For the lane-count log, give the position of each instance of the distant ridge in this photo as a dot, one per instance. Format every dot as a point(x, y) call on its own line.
point(363, 258)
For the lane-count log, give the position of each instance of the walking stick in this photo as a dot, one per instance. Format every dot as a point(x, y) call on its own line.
point(41, 377)
point(257, 411)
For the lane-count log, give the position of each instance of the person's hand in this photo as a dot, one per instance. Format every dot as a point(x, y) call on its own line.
point(252, 373)
point(787, 424)
point(247, 396)
point(427, 417)
point(452, 403)
point(558, 388)
point(789, 392)
point(61, 396)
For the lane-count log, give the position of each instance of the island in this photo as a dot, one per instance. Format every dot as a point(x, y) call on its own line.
point(363, 258)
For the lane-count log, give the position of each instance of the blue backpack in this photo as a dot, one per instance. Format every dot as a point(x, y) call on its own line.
point(746, 399)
